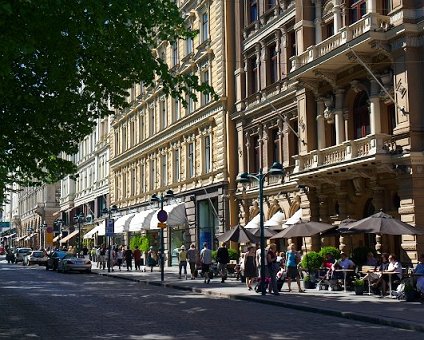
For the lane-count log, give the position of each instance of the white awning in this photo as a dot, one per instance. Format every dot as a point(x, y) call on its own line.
point(295, 218)
point(29, 237)
point(101, 228)
point(56, 238)
point(91, 233)
point(276, 220)
point(69, 236)
point(122, 224)
point(141, 220)
point(254, 222)
point(176, 216)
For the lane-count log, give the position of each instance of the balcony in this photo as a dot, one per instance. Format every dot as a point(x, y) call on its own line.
point(349, 151)
point(371, 22)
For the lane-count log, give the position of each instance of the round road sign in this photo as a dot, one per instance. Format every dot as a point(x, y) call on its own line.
point(162, 216)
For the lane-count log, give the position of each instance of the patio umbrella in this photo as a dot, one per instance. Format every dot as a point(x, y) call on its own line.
point(238, 234)
point(381, 223)
point(303, 229)
point(267, 232)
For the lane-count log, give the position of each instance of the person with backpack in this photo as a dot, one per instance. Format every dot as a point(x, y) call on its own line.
point(222, 257)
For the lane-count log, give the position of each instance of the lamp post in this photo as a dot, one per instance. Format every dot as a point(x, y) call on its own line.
point(79, 219)
point(112, 210)
point(59, 223)
point(29, 231)
point(162, 217)
point(244, 178)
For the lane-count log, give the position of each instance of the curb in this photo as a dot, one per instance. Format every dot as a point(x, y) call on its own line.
point(311, 309)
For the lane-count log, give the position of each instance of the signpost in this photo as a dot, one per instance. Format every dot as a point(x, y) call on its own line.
point(162, 216)
point(109, 232)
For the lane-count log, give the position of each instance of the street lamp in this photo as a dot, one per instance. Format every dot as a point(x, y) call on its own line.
point(160, 199)
point(80, 218)
point(112, 210)
point(276, 170)
point(29, 232)
point(58, 225)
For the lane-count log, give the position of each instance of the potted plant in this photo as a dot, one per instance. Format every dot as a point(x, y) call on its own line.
point(307, 283)
point(312, 262)
point(359, 287)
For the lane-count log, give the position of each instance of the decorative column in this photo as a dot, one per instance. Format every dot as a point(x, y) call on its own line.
point(339, 119)
point(320, 124)
point(283, 53)
point(318, 21)
point(375, 121)
point(337, 17)
point(278, 53)
point(258, 65)
point(371, 6)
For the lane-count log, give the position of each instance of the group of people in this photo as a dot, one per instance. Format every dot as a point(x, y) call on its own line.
point(117, 257)
point(277, 265)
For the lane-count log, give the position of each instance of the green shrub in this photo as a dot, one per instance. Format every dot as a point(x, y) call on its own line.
point(335, 253)
point(143, 242)
point(234, 255)
point(312, 261)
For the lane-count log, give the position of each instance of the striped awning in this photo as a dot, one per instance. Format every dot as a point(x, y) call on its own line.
point(69, 236)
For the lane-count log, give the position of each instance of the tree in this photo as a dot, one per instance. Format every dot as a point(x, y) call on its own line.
point(65, 63)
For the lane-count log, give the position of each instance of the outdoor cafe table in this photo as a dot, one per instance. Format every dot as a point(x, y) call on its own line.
point(390, 281)
point(345, 271)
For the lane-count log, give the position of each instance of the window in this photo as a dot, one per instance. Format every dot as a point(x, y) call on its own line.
point(152, 121)
point(270, 3)
point(124, 138)
point(190, 104)
point(256, 154)
point(329, 29)
point(176, 109)
point(357, 10)
point(189, 44)
point(132, 133)
point(253, 11)
point(152, 174)
point(133, 182)
point(142, 178)
point(273, 64)
point(205, 79)
point(361, 115)
point(175, 54)
point(253, 76)
point(205, 27)
point(387, 7)
point(141, 132)
point(163, 114)
point(164, 171)
point(208, 154)
point(275, 146)
point(176, 165)
point(190, 159)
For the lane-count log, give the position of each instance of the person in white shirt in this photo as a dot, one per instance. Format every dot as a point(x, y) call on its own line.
point(394, 267)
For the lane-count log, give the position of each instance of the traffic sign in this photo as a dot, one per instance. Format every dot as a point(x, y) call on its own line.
point(162, 216)
point(161, 225)
point(49, 230)
point(110, 227)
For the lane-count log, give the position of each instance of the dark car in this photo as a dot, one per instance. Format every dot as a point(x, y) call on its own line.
point(54, 258)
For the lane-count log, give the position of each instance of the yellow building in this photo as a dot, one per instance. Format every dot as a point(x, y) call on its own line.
point(333, 90)
point(159, 145)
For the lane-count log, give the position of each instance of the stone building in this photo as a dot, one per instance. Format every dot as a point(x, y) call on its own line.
point(160, 145)
point(333, 90)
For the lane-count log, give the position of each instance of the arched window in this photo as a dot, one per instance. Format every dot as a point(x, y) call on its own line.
point(361, 115)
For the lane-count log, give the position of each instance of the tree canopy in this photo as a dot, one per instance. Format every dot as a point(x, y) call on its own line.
point(65, 63)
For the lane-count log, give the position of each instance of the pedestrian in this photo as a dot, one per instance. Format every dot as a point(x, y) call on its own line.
point(137, 258)
point(102, 257)
point(151, 258)
point(249, 266)
point(182, 261)
point(273, 268)
point(193, 258)
point(222, 257)
point(128, 255)
point(119, 257)
point(292, 260)
point(85, 251)
point(110, 257)
point(93, 253)
point(206, 260)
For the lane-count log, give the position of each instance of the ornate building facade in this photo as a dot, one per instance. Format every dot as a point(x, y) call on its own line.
point(159, 145)
point(333, 90)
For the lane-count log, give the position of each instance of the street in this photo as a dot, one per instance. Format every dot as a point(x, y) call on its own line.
point(36, 303)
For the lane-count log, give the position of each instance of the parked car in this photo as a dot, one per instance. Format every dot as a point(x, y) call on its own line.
point(53, 259)
point(20, 253)
point(2, 250)
point(35, 257)
point(72, 263)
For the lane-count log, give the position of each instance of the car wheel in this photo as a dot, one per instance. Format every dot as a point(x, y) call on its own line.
point(47, 267)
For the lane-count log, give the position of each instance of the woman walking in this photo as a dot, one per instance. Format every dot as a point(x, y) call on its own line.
point(292, 260)
point(250, 268)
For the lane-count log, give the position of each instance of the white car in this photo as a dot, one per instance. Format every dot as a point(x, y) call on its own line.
point(35, 257)
point(72, 263)
point(20, 253)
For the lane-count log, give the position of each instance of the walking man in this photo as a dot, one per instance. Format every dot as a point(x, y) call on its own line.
point(128, 258)
point(192, 256)
point(222, 257)
point(182, 258)
point(137, 258)
point(206, 260)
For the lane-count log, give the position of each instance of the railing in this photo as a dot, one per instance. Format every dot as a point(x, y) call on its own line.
point(370, 22)
point(348, 151)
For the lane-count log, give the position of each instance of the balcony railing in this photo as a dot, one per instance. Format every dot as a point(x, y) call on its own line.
point(370, 22)
point(348, 151)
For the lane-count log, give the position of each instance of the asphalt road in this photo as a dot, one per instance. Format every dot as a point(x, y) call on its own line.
point(41, 304)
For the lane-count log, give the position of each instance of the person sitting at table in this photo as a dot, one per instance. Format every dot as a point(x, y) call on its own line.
point(327, 265)
point(371, 260)
point(419, 272)
point(343, 263)
point(393, 267)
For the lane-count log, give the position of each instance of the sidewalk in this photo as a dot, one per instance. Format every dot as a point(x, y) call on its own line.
point(373, 309)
